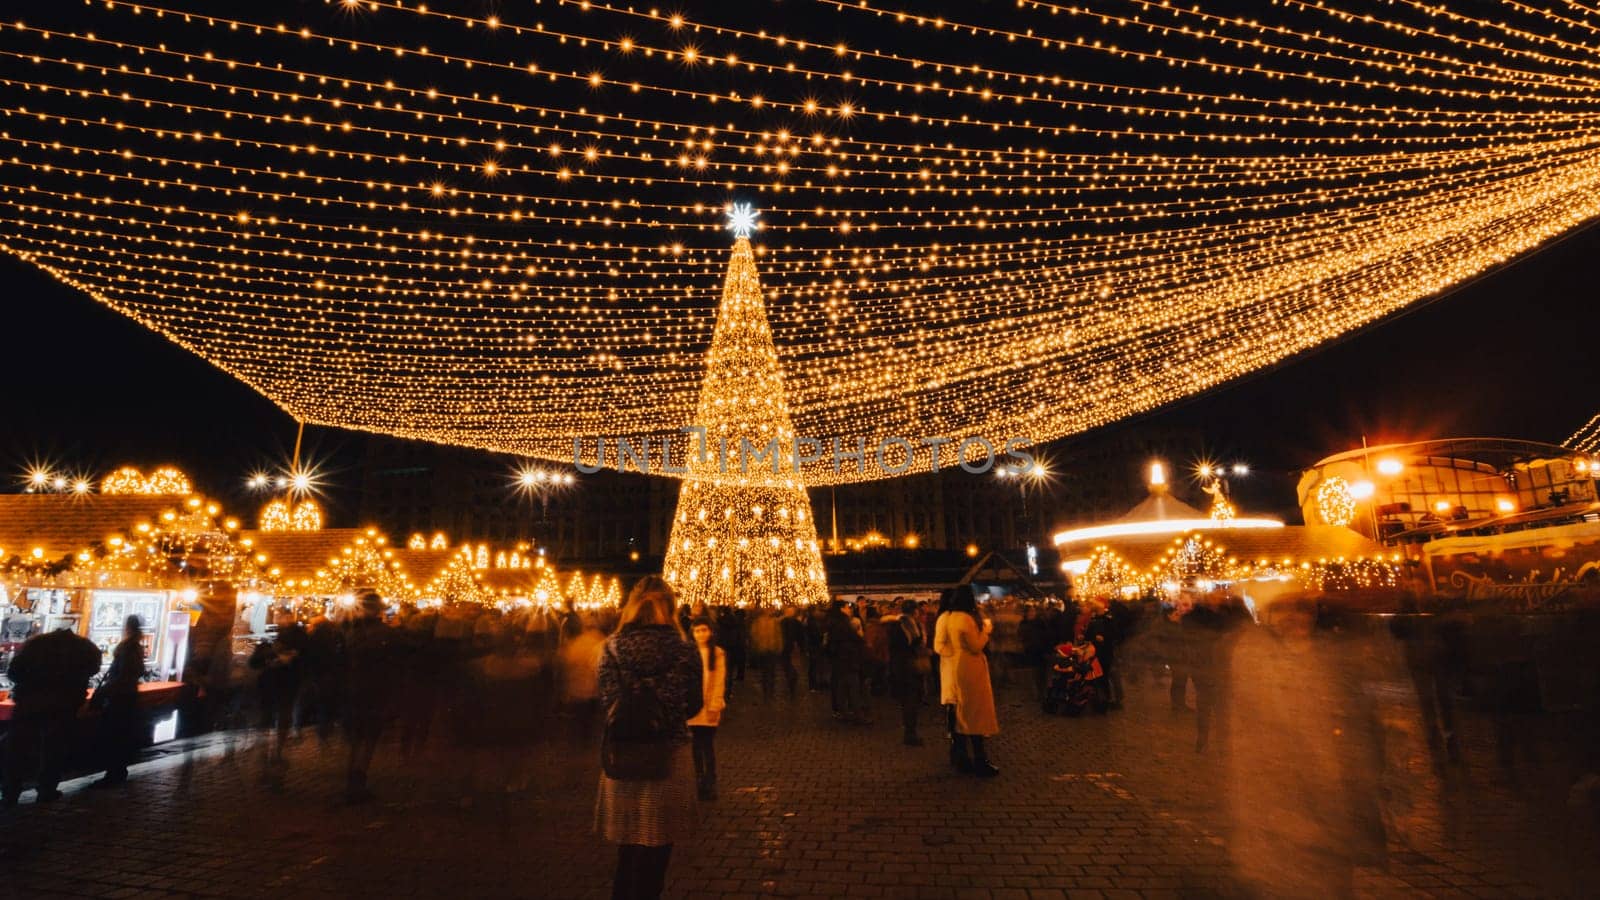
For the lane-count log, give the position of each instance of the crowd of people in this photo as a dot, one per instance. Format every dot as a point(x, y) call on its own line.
point(489, 677)
point(649, 685)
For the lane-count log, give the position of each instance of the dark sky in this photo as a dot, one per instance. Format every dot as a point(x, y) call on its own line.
point(1509, 355)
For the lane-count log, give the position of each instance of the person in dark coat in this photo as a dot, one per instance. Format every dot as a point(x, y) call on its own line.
point(644, 818)
point(794, 641)
point(909, 665)
point(846, 650)
point(1035, 632)
point(371, 672)
point(49, 678)
point(120, 720)
point(1106, 636)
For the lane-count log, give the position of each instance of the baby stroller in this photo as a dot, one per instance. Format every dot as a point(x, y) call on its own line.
point(1077, 681)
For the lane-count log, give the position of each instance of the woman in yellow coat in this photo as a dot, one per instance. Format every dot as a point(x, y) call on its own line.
point(960, 637)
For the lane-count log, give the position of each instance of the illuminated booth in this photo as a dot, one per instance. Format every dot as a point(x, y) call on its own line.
point(87, 561)
point(1481, 518)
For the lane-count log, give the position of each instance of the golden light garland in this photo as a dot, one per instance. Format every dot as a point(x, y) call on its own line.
point(1586, 440)
point(502, 230)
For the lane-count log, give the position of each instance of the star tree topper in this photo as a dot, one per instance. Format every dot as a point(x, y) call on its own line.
point(742, 219)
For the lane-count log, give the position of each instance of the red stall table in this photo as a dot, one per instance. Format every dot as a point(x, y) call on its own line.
point(151, 694)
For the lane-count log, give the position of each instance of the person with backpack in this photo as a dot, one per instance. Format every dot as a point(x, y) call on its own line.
point(650, 687)
point(703, 727)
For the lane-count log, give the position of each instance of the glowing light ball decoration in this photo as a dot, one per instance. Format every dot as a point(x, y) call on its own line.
point(275, 516)
point(307, 516)
point(1336, 502)
point(167, 480)
point(745, 536)
point(129, 480)
point(126, 480)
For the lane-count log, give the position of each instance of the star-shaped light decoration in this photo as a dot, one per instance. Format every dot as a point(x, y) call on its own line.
point(742, 219)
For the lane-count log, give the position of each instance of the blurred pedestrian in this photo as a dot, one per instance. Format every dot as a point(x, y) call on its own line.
point(875, 637)
point(703, 727)
point(49, 678)
point(732, 636)
point(961, 641)
point(1033, 633)
point(846, 651)
point(281, 662)
point(1303, 794)
point(118, 700)
point(908, 667)
point(794, 641)
point(650, 687)
point(580, 679)
point(816, 631)
point(370, 674)
point(766, 643)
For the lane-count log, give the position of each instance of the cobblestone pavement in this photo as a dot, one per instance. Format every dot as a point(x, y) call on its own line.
point(1118, 806)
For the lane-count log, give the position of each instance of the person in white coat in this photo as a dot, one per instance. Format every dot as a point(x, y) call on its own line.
point(703, 727)
point(960, 637)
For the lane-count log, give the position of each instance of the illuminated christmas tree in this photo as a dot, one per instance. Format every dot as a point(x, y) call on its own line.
point(743, 533)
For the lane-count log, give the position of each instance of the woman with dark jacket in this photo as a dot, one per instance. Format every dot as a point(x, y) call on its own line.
point(646, 817)
point(120, 721)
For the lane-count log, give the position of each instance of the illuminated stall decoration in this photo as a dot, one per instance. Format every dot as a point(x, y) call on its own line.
point(274, 516)
point(278, 515)
point(743, 534)
point(1193, 562)
point(126, 480)
point(1022, 224)
point(1109, 576)
point(417, 542)
point(129, 480)
point(367, 563)
point(460, 581)
point(307, 516)
point(1336, 503)
point(547, 590)
point(577, 589)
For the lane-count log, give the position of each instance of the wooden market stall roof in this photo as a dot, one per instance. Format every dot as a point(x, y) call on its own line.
point(60, 525)
point(299, 555)
point(424, 565)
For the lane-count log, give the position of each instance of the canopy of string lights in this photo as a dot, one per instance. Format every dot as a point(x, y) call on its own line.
point(502, 225)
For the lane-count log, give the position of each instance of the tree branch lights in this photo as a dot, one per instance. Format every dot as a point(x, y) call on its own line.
point(503, 231)
point(743, 535)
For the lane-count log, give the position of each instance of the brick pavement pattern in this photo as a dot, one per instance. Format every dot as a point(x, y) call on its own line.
point(1114, 806)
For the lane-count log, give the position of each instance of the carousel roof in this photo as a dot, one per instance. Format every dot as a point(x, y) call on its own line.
point(1296, 543)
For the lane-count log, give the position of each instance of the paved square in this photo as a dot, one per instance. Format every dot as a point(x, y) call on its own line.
point(1115, 806)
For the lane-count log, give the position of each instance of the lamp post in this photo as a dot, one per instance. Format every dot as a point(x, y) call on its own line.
point(542, 483)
